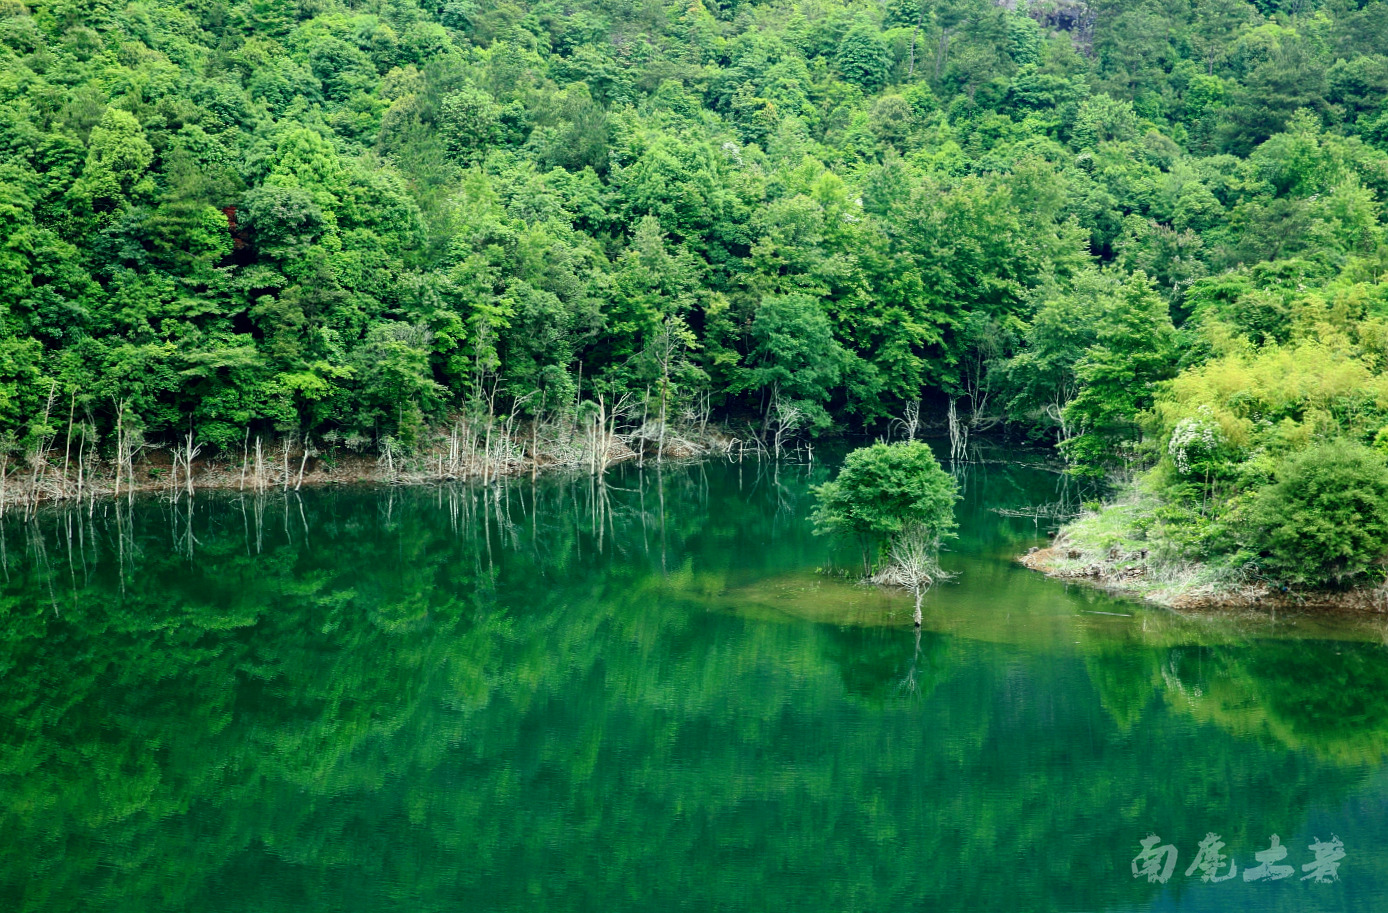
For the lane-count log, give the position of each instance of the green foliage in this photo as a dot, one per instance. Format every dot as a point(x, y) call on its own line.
point(117, 157)
point(885, 489)
point(1324, 521)
point(469, 122)
point(862, 58)
point(234, 217)
point(795, 358)
point(1245, 477)
point(1117, 376)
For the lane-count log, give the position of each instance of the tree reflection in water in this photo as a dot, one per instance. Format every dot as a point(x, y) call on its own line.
point(631, 693)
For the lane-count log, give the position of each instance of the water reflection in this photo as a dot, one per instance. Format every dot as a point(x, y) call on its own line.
point(634, 692)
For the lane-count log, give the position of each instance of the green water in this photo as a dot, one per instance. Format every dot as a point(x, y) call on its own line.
point(641, 697)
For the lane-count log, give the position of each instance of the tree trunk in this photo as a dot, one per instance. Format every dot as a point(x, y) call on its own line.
point(303, 461)
point(664, 389)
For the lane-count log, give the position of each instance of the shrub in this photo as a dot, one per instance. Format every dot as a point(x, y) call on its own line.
point(1325, 520)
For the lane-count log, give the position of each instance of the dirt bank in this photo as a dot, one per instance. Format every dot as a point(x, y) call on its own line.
point(53, 476)
point(1132, 574)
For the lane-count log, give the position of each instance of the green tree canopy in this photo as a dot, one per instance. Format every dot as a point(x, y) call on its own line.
point(882, 491)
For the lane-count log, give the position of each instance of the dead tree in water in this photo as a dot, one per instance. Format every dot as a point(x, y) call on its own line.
point(129, 443)
point(285, 444)
point(84, 429)
point(6, 445)
point(787, 418)
point(67, 441)
point(259, 480)
point(605, 429)
point(914, 564)
point(387, 457)
point(303, 461)
point(910, 421)
point(38, 457)
point(455, 450)
point(958, 435)
point(190, 451)
point(245, 455)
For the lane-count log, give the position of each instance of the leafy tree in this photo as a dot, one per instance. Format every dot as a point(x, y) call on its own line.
point(794, 360)
point(1102, 119)
point(1116, 377)
point(1291, 78)
point(396, 382)
point(470, 122)
point(884, 490)
point(117, 158)
point(1217, 23)
point(862, 58)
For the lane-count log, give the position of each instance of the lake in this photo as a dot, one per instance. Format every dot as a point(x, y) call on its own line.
point(642, 694)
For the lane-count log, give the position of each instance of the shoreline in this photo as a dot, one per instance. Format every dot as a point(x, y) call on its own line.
point(165, 471)
point(1131, 576)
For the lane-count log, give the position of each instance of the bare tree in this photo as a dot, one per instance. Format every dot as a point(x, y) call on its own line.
point(190, 452)
point(913, 564)
point(286, 443)
point(259, 464)
point(43, 439)
point(387, 458)
point(303, 461)
point(958, 435)
point(786, 418)
point(129, 442)
point(6, 446)
point(910, 420)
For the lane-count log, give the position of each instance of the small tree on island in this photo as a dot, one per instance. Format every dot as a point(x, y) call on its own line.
point(894, 500)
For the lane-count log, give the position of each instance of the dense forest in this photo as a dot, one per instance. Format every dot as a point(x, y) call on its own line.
point(1147, 231)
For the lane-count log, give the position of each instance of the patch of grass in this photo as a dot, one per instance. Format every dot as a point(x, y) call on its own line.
point(1121, 545)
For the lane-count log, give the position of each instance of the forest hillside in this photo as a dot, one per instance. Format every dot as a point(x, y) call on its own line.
point(1149, 232)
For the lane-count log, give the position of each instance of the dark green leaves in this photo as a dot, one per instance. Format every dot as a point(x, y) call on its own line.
point(886, 488)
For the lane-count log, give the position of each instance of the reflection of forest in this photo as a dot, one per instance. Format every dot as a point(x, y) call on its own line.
point(435, 700)
point(1327, 697)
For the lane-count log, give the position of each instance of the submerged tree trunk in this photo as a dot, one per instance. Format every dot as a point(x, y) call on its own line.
point(303, 461)
point(660, 444)
point(958, 435)
point(245, 456)
point(190, 453)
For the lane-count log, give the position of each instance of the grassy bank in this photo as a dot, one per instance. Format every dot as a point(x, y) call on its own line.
point(1124, 549)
